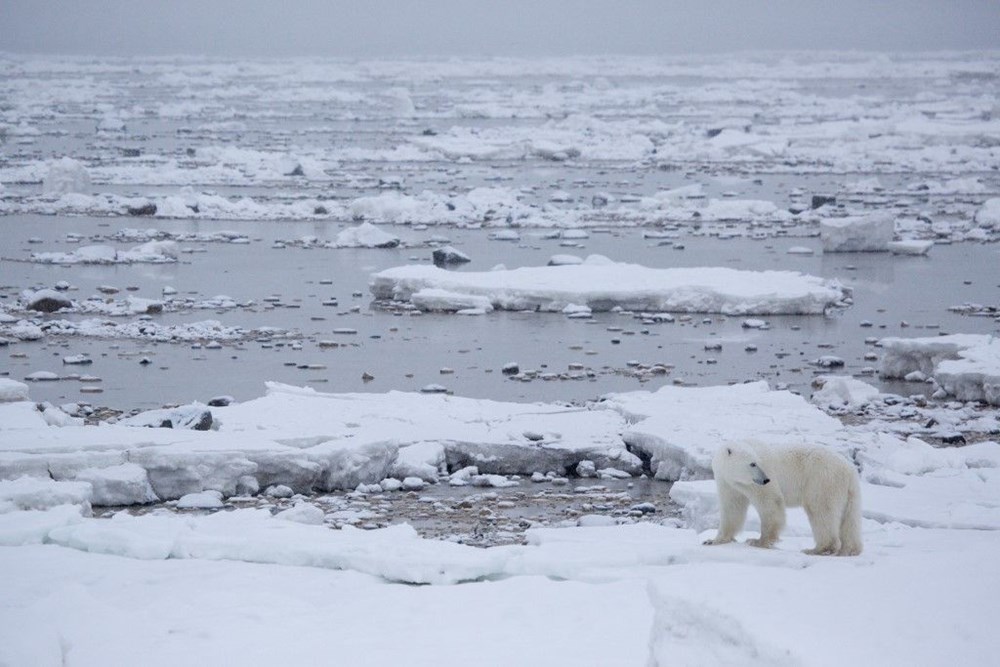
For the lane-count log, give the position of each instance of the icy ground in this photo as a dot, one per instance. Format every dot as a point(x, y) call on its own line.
point(627, 582)
point(345, 527)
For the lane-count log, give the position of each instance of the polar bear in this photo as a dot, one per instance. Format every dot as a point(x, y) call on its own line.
point(771, 478)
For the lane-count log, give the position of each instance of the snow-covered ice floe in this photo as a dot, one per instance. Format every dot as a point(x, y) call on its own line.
point(966, 366)
point(602, 285)
point(151, 252)
point(84, 590)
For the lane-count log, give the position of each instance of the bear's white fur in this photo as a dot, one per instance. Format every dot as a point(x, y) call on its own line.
point(773, 478)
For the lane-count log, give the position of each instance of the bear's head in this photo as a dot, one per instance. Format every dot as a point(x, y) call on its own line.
point(738, 465)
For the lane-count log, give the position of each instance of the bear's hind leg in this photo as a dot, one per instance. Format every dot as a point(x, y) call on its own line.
point(824, 518)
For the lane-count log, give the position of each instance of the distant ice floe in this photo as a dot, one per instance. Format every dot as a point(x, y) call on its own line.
point(140, 329)
point(151, 252)
point(966, 366)
point(602, 285)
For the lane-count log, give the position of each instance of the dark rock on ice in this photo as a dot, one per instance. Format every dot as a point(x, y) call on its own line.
point(194, 417)
point(823, 200)
point(145, 209)
point(47, 301)
point(220, 401)
point(448, 255)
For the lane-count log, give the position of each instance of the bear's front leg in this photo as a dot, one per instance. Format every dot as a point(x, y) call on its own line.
point(772, 519)
point(733, 507)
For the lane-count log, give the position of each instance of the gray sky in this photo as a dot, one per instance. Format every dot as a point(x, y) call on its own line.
point(485, 27)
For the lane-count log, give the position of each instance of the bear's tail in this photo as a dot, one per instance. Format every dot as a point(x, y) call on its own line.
point(850, 524)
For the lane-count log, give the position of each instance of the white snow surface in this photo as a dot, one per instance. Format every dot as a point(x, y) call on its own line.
point(602, 285)
point(88, 591)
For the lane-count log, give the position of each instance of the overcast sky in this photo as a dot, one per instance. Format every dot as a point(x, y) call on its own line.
point(490, 27)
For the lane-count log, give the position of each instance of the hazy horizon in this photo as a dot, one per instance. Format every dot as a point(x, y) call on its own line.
point(344, 28)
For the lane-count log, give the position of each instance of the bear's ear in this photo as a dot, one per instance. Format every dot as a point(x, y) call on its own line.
point(729, 451)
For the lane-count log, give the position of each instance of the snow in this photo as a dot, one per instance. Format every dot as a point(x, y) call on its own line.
point(602, 285)
point(173, 568)
point(653, 588)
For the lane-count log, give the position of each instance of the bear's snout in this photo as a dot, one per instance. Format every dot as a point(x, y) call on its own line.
point(766, 480)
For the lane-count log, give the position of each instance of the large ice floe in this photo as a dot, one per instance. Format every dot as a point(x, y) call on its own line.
point(966, 366)
point(84, 590)
point(603, 285)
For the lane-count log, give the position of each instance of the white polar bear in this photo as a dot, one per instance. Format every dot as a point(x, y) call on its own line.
point(771, 478)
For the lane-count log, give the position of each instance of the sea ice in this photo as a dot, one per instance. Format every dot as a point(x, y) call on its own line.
point(66, 176)
point(867, 233)
point(966, 366)
point(602, 285)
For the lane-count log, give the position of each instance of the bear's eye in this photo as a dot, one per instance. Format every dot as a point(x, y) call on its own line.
point(753, 465)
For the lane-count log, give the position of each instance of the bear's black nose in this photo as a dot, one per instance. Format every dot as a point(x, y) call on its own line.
point(766, 480)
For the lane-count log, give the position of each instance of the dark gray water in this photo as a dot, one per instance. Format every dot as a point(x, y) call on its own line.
point(407, 352)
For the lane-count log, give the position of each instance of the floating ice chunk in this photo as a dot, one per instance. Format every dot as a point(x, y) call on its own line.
point(66, 176)
point(910, 247)
point(868, 233)
point(41, 376)
point(577, 311)
point(505, 235)
point(95, 254)
point(152, 252)
point(366, 235)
